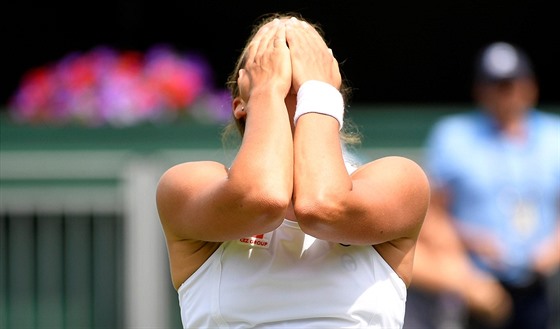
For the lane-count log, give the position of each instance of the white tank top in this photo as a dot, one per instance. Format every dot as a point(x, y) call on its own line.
point(287, 279)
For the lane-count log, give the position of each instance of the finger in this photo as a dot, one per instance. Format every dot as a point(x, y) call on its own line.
point(280, 37)
point(255, 43)
point(314, 39)
point(242, 84)
point(294, 33)
point(311, 35)
point(240, 76)
point(267, 37)
point(302, 35)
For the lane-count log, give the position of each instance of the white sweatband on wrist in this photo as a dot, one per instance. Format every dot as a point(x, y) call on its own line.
point(319, 97)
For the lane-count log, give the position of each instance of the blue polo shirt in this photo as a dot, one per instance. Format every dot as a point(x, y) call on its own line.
point(500, 187)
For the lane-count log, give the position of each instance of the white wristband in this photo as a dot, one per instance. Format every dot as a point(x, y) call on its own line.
point(319, 97)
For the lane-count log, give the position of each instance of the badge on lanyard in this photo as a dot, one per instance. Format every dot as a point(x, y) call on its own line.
point(525, 217)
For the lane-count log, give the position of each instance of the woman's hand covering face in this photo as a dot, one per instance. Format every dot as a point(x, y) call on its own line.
point(267, 63)
point(310, 56)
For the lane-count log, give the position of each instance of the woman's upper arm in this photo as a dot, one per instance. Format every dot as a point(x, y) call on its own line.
point(176, 196)
point(197, 200)
point(388, 200)
point(394, 194)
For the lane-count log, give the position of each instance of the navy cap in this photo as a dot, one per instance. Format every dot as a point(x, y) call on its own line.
point(502, 61)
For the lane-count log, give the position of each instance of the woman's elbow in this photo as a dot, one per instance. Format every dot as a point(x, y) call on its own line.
point(317, 212)
point(271, 205)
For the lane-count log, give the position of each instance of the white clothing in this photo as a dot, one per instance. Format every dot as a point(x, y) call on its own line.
point(287, 279)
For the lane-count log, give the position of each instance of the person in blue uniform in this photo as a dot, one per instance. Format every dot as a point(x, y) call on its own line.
point(495, 177)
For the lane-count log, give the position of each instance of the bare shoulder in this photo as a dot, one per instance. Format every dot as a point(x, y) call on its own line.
point(177, 188)
point(406, 186)
point(189, 173)
point(186, 178)
point(399, 167)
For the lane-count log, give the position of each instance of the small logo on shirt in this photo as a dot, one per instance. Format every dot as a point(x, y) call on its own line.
point(259, 240)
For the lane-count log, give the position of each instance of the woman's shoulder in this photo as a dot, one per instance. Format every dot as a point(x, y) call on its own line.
point(194, 167)
point(405, 180)
point(189, 173)
point(394, 163)
point(183, 180)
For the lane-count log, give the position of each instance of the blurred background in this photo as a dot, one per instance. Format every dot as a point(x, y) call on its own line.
point(98, 98)
point(392, 52)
